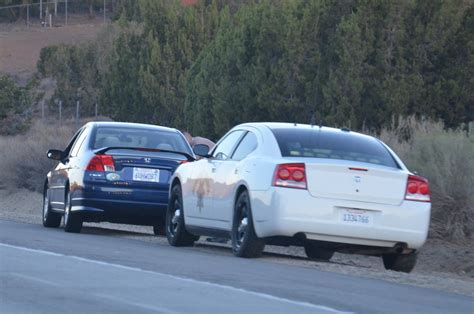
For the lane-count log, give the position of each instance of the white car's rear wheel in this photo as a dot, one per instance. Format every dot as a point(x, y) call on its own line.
point(314, 251)
point(245, 242)
point(400, 262)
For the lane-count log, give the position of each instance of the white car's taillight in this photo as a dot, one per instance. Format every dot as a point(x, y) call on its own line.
point(417, 189)
point(101, 163)
point(290, 176)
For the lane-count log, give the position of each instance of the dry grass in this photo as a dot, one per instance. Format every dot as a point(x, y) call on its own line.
point(446, 158)
point(23, 157)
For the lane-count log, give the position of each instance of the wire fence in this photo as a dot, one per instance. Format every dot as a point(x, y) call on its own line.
point(59, 111)
point(57, 12)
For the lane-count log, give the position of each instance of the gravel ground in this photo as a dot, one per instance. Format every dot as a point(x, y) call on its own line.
point(442, 265)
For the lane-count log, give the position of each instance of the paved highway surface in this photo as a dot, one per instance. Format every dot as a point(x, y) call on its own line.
point(50, 271)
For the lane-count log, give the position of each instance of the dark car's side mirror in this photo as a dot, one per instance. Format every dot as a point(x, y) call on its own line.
point(55, 154)
point(201, 150)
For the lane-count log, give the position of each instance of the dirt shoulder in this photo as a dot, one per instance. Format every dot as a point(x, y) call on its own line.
point(442, 265)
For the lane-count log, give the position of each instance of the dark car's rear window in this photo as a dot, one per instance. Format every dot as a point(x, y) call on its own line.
point(317, 143)
point(139, 138)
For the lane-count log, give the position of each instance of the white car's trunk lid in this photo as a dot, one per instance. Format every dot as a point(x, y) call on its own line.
point(355, 183)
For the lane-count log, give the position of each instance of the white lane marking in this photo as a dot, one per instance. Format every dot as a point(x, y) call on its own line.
point(32, 278)
point(161, 309)
point(206, 283)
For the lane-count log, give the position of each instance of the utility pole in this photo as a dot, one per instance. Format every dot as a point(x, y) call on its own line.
point(55, 8)
point(65, 9)
point(28, 16)
point(104, 11)
point(41, 9)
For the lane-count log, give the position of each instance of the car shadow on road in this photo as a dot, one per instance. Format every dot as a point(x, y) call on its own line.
point(226, 249)
point(112, 232)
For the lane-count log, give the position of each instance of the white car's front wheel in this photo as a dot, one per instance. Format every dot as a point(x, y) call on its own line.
point(245, 242)
point(175, 228)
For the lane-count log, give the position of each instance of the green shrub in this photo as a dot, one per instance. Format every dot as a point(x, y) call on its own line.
point(14, 107)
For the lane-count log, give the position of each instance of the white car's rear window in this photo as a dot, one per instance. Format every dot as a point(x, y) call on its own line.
point(343, 145)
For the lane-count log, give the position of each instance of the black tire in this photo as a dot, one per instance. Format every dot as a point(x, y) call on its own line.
point(245, 242)
point(159, 228)
point(175, 227)
point(313, 251)
point(400, 262)
point(72, 221)
point(50, 219)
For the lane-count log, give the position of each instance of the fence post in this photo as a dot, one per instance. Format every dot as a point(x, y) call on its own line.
point(55, 8)
point(41, 9)
point(104, 11)
point(60, 110)
point(77, 111)
point(28, 16)
point(65, 9)
point(96, 110)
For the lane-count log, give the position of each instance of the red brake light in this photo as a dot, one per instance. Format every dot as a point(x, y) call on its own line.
point(417, 189)
point(290, 176)
point(101, 163)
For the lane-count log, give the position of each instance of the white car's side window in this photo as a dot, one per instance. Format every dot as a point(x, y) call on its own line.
point(247, 145)
point(224, 149)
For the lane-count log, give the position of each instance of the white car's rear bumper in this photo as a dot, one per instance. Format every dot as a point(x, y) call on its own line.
point(286, 212)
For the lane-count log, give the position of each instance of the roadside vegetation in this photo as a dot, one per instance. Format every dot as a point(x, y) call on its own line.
point(209, 66)
point(445, 157)
point(23, 157)
point(15, 107)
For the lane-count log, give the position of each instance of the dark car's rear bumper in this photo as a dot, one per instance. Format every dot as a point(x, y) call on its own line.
point(142, 207)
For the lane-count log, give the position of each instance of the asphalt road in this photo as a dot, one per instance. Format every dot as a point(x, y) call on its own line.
point(50, 271)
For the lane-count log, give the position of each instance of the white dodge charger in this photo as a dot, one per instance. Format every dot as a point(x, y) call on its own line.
point(321, 188)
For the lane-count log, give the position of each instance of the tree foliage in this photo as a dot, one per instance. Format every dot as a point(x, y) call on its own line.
point(207, 67)
point(14, 107)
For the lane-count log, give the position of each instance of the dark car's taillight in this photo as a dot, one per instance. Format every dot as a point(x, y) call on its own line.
point(417, 189)
point(101, 163)
point(290, 176)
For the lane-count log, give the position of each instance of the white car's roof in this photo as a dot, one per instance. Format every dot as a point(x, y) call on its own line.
point(285, 125)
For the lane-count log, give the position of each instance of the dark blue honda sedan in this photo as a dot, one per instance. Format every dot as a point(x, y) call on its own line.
point(116, 172)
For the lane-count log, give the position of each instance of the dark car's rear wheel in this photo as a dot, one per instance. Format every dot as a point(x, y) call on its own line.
point(159, 227)
point(400, 262)
point(245, 242)
point(175, 227)
point(72, 221)
point(313, 251)
point(50, 219)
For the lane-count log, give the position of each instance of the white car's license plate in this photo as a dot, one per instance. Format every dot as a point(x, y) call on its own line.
point(357, 217)
point(146, 175)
